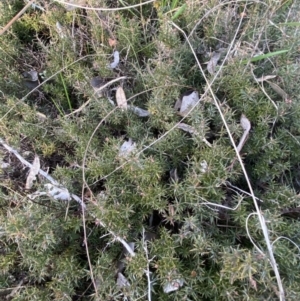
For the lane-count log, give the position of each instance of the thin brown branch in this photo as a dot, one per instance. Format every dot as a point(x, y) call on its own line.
point(16, 17)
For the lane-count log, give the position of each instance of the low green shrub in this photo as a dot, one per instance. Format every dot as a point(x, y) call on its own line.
point(180, 197)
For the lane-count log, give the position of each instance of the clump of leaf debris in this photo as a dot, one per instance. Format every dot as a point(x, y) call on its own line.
point(128, 132)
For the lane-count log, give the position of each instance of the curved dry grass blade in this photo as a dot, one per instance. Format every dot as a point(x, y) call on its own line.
point(102, 8)
point(260, 216)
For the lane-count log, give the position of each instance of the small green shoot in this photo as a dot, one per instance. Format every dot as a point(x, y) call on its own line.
point(174, 4)
point(292, 24)
point(57, 107)
point(179, 12)
point(66, 92)
point(265, 56)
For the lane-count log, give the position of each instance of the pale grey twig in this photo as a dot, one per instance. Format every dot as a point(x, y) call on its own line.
point(26, 163)
point(41, 172)
point(147, 271)
point(75, 197)
point(241, 190)
point(34, 6)
point(119, 239)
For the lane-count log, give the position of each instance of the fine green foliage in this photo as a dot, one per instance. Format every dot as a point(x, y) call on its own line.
point(180, 198)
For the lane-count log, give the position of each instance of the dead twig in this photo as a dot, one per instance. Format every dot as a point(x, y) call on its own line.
point(262, 221)
point(75, 197)
point(16, 17)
